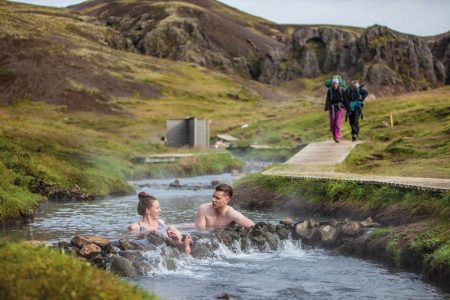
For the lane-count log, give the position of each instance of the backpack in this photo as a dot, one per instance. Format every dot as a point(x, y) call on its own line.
point(342, 83)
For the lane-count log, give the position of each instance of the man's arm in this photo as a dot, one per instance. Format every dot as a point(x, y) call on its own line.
point(200, 219)
point(364, 93)
point(242, 220)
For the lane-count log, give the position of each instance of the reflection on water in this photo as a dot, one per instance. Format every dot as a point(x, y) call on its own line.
point(289, 273)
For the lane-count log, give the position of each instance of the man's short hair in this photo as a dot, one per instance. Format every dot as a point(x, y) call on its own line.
point(223, 187)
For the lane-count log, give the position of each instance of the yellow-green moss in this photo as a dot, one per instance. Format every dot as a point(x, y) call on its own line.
point(29, 272)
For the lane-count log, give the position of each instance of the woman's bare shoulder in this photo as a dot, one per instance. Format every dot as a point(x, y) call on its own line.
point(133, 226)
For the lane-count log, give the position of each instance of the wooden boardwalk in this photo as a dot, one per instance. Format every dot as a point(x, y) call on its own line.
point(323, 153)
point(318, 160)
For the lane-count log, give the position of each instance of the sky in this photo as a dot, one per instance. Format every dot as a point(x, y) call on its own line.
point(419, 17)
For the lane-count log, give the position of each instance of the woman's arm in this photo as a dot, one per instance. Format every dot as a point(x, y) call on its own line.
point(133, 227)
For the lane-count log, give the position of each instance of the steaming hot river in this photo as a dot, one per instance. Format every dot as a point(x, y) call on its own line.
point(291, 272)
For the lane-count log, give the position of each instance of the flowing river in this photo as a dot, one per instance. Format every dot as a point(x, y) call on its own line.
point(291, 272)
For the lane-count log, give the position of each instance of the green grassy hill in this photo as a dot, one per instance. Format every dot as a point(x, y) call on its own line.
point(74, 112)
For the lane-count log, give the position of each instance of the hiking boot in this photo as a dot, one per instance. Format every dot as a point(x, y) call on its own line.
point(353, 138)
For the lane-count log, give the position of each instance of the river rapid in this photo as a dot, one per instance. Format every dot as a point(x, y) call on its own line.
point(291, 272)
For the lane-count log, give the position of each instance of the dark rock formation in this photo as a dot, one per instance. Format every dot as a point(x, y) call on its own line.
point(440, 48)
point(390, 62)
point(210, 34)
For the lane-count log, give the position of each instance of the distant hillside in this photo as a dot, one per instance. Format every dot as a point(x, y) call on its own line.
point(201, 31)
point(212, 34)
point(55, 56)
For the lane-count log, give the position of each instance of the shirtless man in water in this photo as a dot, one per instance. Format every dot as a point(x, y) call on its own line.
point(218, 213)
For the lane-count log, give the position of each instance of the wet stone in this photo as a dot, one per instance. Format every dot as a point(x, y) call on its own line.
point(329, 235)
point(200, 251)
point(155, 239)
point(272, 240)
point(90, 250)
point(132, 255)
point(367, 223)
point(142, 267)
point(175, 184)
point(288, 222)
point(130, 245)
point(80, 241)
point(122, 267)
point(259, 239)
point(258, 232)
point(170, 264)
point(112, 249)
point(351, 229)
point(305, 232)
point(171, 252)
point(271, 228)
point(245, 244)
point(283, 233)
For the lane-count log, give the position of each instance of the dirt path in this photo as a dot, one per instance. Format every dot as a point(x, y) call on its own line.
point(317, 160)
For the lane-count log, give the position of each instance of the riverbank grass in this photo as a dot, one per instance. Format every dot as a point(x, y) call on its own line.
point(416, 233)
point(35, 272)
point(42, 146)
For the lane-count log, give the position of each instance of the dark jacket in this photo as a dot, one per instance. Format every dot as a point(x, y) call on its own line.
point(354, 95)
point(336, 98)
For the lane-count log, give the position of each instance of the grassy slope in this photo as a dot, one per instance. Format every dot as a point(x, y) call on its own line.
point(418, 145)
point(61, 147)
point(38, 273)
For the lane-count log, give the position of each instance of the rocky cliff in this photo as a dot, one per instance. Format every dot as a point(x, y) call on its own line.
point(440, 48)
point(211, 34)
point(389, 61)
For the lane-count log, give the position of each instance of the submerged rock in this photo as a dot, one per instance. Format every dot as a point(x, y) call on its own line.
point(130, 245)
point(122, 266)
point(90, 250)
point(351, 229)
point(131, 258)
point(329, 235)
point(81, 241)
point(306, 232)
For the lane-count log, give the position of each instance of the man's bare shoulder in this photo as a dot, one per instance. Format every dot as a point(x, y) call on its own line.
point(232, 212)
point(205, 207)
point(239, 218)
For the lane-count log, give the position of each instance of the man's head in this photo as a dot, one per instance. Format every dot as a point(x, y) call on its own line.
point(354, 84)
point(335, 83)
point(222, 195)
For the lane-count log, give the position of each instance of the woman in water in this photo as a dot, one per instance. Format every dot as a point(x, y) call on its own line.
point(148, 207)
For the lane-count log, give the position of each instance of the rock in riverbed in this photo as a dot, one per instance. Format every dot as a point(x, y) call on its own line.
point(132, 258)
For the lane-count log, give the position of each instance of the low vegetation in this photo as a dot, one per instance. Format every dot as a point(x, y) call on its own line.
point(416, 223)
point(366, 196)
point(35, 272)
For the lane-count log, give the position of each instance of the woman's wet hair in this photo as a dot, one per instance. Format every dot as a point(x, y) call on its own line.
point(223, 187)
point(145, 201)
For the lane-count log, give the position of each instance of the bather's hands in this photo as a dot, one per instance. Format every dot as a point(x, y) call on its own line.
point(173, 236)
point(186, 242)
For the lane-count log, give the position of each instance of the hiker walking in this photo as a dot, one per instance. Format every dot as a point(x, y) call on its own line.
point(356, 94)
point(335, 103)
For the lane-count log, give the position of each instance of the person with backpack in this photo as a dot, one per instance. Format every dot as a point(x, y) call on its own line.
point(356, 94)
point(335, 103)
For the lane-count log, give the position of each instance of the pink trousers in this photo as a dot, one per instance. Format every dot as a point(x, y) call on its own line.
point(335, 122)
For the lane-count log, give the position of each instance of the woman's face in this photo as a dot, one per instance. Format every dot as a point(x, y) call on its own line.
point(155, 210)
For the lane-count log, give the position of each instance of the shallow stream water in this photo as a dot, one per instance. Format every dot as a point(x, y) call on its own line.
point(291, 272)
